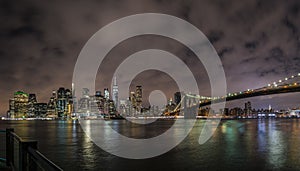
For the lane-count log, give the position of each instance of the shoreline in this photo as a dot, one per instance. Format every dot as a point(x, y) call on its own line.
point(147, 118)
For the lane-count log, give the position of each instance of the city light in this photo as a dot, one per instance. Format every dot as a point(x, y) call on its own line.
point(61, 103)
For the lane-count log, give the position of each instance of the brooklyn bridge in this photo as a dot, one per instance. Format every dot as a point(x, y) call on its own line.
point(286, 85)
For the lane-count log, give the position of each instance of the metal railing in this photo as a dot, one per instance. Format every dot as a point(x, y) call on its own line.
point(22, 155)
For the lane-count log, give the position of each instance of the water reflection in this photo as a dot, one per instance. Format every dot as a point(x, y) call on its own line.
point(262, 134)
point(272, 142)
point(114, 141)
point(237, 144)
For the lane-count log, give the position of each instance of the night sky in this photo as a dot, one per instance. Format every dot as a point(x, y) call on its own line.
point(258, 42)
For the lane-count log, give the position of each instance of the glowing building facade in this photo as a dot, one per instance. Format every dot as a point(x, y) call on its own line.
point(20, 105)
point(115, 93)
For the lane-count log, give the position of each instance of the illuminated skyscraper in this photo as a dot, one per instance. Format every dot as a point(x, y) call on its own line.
point(20, 104)
point(61, 103)
point(132, 99)
point(138, 97)
point(84, 102)
point(51, 107)
point(111, 108)
point(64, 102)
point(115, 93)
point(106, 94)
point(31, 102)
point(99, 99)
point(74, 100)
point(69, 99)
point(248, 108)
point(40, 109)
point(11, 112)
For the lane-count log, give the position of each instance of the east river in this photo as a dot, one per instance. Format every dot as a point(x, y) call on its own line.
point(254, 144)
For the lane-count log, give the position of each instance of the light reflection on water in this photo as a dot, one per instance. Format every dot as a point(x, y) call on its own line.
point(236, 144)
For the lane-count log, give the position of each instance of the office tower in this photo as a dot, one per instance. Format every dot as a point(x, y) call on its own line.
point(20, 104)
point(69, 99)
point(99, 102)
point(84, 102)
point(115, 93)
point(61, 103)
point(111, 108)
point(11, 113)
point(138, 97)
point(40, 109)
point(74, 100)
point(93, 104)
point(132, 99)
point(51, 107)
point(31, 102)
point(68, 94)
point(106, 94)
point(248, 108)
point(177, 98)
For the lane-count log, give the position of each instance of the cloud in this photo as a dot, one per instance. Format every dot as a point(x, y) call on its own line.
point(258, 41)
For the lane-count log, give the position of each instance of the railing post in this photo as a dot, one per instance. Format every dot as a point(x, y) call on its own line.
point(32, 164)
point(9, 147)
point(23, 154)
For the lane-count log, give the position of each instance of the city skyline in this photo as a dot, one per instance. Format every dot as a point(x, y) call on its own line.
point(64, 104)
point(61, 104)
point(258, 43)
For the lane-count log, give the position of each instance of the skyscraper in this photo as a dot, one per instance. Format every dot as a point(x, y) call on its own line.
point(40, 109)
point(11, 112)
point(115, 93)
point(61, 102)
point(100, 102)
point(132, 99)
point(64, 102)
point(51, 107)
point(138, 97)
point(106, 94)
point(84, 102)
point(20, 104)
point(248, 108)
point(31, 105)
point(69, 99)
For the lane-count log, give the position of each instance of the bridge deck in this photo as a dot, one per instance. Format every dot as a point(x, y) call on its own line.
point(255, 93)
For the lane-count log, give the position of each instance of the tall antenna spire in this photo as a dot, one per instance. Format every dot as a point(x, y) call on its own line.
point(115, 92)
point(115, 80)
